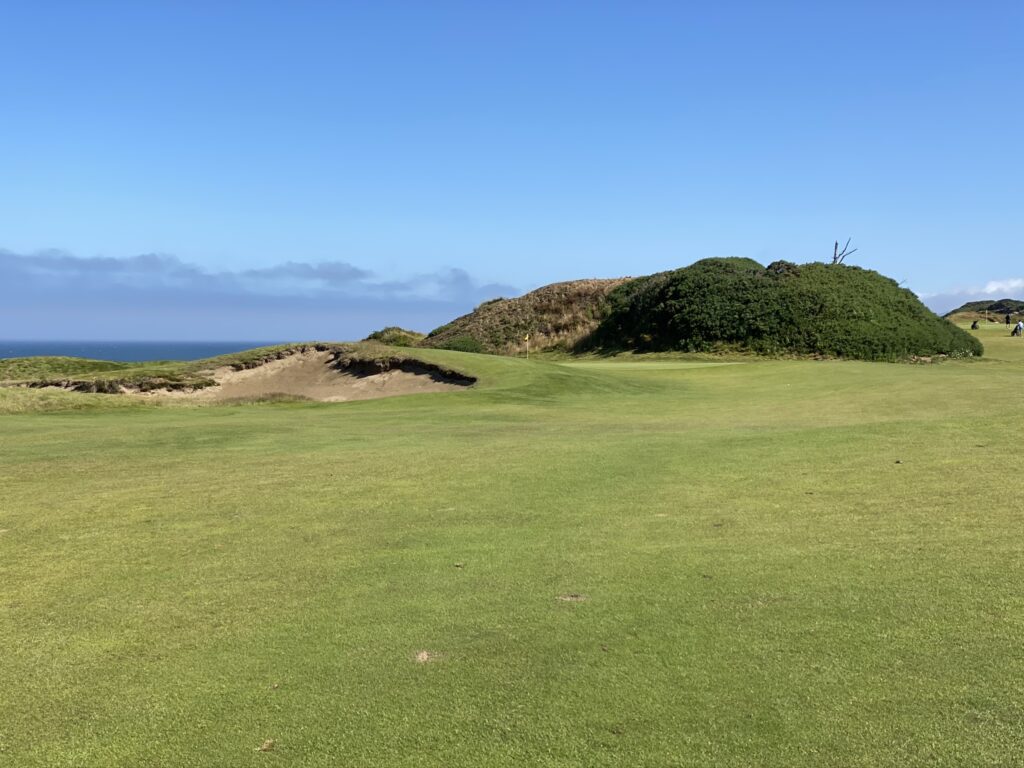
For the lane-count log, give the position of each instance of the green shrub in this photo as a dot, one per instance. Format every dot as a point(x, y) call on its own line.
point(816, 308)
point(462, 344)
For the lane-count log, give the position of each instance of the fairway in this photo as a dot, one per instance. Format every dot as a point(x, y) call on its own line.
point(621, 562)
point(625, 364)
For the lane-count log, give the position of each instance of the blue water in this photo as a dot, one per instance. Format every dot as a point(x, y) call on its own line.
point(127, 351)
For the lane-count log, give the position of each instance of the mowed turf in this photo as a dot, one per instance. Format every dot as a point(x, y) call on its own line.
point(772, 563)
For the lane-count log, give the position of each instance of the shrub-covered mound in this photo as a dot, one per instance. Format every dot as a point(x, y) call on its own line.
point(396, 337)
point(731, 303)
point(556, 316)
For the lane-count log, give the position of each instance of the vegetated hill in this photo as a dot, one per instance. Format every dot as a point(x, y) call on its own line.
point(819, 309)
point(998, 307)
point(396, 337)
point(557, 316)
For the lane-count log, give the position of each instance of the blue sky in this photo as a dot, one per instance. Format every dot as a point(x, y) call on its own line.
point(298, 170)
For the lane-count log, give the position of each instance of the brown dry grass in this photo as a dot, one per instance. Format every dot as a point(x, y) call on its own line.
point(556, 316)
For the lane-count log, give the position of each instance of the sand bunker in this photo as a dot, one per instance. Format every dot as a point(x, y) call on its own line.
point(324, 376)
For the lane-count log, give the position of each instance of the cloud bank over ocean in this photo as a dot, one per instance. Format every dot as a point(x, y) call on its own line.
point(53, 294)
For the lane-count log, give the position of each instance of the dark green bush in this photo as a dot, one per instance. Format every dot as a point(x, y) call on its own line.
point(463, 344)
point(816, 308)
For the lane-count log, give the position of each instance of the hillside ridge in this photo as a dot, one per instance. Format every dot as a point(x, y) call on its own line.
point(717, 305)
point(997, 307)
point(556, 316)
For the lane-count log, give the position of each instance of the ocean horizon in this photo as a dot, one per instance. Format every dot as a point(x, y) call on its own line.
point(127, 351)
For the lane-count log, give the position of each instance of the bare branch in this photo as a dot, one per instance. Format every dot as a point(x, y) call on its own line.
point(837, 255)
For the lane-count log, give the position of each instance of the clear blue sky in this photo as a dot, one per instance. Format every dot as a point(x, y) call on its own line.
point(316, 169)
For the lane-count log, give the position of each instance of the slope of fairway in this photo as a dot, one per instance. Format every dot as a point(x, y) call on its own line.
point(790, 563)
point(999, 344)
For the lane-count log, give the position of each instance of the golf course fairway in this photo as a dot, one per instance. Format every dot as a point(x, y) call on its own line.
point(660, 562)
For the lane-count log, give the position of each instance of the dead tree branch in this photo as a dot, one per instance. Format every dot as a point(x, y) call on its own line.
point(837, 255)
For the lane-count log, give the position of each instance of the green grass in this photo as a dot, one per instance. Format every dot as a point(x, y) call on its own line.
point(999, 345)
point(785, 563)
point(76, 372)
point(22, 368)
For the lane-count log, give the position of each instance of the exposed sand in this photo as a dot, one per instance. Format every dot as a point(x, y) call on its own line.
point(316, 375)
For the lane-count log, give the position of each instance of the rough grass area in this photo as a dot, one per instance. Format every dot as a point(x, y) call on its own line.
point(556, 316)
point(28, 368)
point(608, 563)
point(396, 337)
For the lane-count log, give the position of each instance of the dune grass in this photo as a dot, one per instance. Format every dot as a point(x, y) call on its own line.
point(789, 563)
point(105, 380)
point(22, 368)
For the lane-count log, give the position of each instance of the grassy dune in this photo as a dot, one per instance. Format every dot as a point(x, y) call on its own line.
point(789, 563)
point(93, 384)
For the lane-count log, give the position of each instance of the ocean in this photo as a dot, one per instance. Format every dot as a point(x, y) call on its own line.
point(128, 351)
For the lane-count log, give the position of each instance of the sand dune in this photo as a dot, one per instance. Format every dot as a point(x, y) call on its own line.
point(321, 375)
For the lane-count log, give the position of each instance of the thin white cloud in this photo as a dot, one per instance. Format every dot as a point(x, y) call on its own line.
point(1000, 287)
point(1009, 288)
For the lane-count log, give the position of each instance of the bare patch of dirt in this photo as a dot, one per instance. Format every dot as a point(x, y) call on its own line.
point(266, 746)
point(572, 597)
point(425, 657)
point(323, 376)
